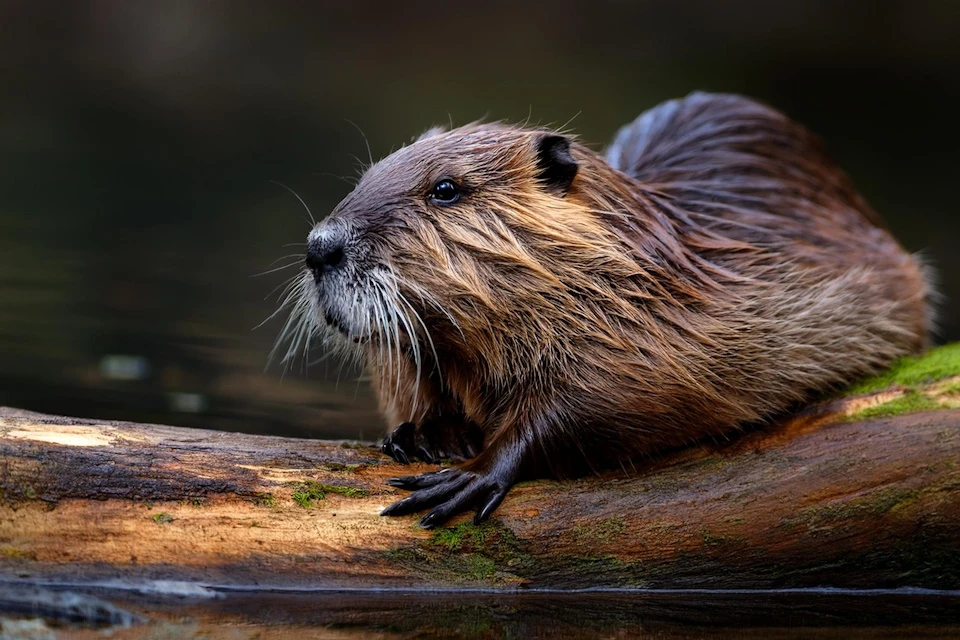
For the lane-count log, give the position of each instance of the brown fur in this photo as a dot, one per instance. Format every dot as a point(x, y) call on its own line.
point(714, 269)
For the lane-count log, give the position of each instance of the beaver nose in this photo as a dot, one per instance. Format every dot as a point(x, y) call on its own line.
point(325, 254)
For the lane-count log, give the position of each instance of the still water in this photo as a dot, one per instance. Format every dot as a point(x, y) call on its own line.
point(482, 615)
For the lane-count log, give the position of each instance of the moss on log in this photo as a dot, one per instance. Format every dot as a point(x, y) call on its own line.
point(858, 491)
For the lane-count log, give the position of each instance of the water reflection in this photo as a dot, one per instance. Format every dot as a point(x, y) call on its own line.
point(662, 615)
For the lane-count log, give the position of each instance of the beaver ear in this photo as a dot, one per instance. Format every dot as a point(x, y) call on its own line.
point(556, 164)
point(429, 133)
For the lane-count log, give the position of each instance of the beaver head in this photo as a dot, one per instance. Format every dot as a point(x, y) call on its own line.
point(448, 238)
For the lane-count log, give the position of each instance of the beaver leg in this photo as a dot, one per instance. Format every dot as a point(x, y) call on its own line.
point(482, 483)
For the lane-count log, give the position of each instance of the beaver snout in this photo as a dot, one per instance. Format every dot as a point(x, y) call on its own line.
point(325, 253)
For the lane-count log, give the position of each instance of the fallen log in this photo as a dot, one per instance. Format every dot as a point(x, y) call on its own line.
point(857, 492)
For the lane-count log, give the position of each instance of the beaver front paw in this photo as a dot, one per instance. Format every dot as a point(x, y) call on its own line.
point(449, 492)
point(406, 442)
point(432, 441)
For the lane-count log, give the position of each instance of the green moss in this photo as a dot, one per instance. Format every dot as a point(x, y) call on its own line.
point(489, 553)
point(308, 492)
point(606, 530)
point(479, 567)
point(911, 371)
point(343, 490)
point(454, 538)
point(163, 518)
point(265, 500)
point(910, 402)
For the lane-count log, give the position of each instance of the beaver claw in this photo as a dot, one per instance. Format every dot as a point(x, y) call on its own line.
point(396, 452)
point(449, 492)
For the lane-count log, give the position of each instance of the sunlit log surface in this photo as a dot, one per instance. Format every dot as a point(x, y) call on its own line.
point(824, 499)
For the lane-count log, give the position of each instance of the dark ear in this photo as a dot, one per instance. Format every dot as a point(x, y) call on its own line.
point(557, 166)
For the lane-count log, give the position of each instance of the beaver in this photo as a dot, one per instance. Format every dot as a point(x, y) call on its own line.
point(531, 308)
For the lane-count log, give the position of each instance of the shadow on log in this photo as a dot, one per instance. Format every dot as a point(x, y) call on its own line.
point(840, 495)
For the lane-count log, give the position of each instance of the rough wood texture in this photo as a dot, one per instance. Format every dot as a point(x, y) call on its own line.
point(819, 500)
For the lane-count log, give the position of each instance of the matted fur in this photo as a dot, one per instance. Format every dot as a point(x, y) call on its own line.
point(713, 269)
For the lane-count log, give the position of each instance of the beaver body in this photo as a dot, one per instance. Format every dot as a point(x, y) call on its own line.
point(533, 308)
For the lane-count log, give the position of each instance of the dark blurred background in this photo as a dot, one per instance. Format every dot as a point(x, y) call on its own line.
point(139, 142)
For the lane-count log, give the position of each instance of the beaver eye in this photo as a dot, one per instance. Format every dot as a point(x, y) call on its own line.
point(445, 191)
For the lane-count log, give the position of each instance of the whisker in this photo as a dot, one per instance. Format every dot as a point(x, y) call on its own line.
point(563, 128)
point(289, 255)
point(426, 332)
point(428, 298)
point(313, 222)
point(275, 269)
point(384, 331)
point(286, 284)
point(412, 335)
point(365, 141)
point(350, 180)
point(293, 323)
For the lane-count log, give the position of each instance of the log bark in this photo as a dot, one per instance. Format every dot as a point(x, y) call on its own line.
point(816, 500)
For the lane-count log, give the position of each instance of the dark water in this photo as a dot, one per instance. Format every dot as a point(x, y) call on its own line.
point(138, 142)
point(482, 615)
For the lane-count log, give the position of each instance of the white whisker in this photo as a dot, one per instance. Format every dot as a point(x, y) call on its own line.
point(275, 269)
point(312, 220)
point(426, 333)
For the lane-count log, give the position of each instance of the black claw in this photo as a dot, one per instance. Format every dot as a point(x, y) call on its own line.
point(430, 520)
point(393, 509)
point(398, 454)
point(424, 454)
point(493, 501)
point(466, 448)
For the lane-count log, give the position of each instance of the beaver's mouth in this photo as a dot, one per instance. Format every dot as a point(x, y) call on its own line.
point(335, 322)
point(338, 324)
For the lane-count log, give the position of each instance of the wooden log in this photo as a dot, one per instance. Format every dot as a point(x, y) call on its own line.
point(831, 497)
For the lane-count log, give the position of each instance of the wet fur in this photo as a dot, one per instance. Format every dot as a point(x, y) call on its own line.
point(713, 269)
